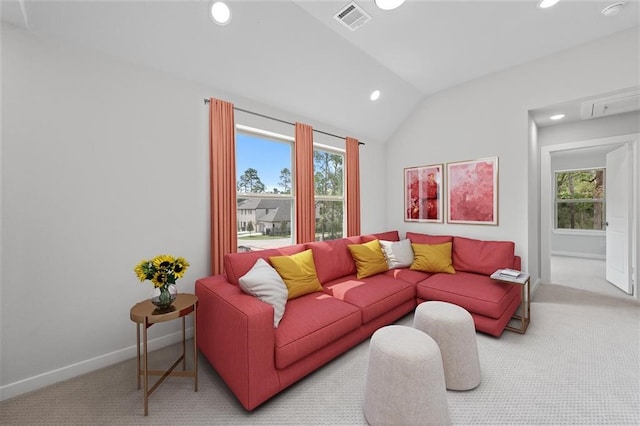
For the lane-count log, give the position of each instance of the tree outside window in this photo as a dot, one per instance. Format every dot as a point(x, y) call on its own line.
point(329, 194)
point(285, 181)
point(580, 199)
point(250, 182)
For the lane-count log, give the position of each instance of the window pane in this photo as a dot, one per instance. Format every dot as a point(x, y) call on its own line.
point(328, 179)
point(580, 199)
point(580, 215)
point(580, 185)
point(262, 165)
point(328, 171)
point(329, 220)
point(264, 200)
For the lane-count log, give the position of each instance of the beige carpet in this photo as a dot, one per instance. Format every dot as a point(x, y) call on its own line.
point(579, 363)
point(584, 274)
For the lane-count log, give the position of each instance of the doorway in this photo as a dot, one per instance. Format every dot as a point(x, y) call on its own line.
point(587, 271)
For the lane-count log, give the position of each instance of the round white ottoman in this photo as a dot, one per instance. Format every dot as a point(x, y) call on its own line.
point(452, 328)
point(405, 381)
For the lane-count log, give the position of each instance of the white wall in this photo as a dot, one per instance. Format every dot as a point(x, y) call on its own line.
point(597, 128)
point(103, 164)
point(534, 195)
point(489, 117)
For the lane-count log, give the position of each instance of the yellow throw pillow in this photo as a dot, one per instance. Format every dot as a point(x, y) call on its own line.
point(298, 272)
point(369, 258)
point(432, 258)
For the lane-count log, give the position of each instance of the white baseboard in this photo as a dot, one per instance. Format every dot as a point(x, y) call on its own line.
point(578, 254)
point(65, 373)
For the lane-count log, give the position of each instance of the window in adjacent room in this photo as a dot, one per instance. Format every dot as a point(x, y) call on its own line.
point(580, 199)
point(328, 166)
point(265, 198)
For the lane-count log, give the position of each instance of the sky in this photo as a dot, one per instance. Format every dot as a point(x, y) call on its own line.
point(251, 151)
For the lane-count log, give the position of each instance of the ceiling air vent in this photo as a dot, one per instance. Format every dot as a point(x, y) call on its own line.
point(611, 105)
point(352, 16)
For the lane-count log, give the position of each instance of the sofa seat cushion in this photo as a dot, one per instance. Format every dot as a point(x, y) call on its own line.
point(476, 293)
point(375, 295)
point(310, 323)
point(408, 275)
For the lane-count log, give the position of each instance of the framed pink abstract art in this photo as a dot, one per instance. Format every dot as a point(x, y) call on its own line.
point(423, 194)
point(473, 191)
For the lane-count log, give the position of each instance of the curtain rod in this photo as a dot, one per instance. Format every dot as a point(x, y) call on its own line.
point(206, 101)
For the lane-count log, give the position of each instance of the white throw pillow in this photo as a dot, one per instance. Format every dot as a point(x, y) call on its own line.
point(399, 254)
point(264, 282)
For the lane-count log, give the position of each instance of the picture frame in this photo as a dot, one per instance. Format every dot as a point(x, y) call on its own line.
point(472, 192)
point(423, 193)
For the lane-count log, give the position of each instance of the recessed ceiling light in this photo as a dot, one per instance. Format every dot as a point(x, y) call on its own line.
point(220, 12)
point(374, 95)
point(613, 8)
point(388, 4)
point(557, 117)
point(544, 4)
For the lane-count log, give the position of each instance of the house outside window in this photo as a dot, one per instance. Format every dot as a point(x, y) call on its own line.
point(264, 189)
point(580, 199)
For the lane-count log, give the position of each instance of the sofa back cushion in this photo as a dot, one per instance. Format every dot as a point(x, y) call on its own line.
point(368, 258)
point(333, 259)
point(482, 257)
point(298, 272)
point(428, 239)
point(264, 282)
point(398, 254)
point(387, 236)
point(238, 264)
point(433, 258)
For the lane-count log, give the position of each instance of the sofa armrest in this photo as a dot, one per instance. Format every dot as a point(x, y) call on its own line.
point(236, 334)
point(517, 263)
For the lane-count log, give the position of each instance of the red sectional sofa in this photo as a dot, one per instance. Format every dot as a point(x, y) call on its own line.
point(236, 330)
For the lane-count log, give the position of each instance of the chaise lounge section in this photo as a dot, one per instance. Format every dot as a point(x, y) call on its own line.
point(236, 331)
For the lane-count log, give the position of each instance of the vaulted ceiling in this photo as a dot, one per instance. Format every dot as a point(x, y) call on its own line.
point(294, 56)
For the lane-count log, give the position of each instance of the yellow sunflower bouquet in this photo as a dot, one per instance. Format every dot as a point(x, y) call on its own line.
point(162, 270)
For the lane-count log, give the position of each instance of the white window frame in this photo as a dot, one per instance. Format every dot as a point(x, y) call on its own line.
point(278, 137)
point(569, 231)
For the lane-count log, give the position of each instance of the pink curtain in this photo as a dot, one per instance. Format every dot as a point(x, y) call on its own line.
point(222, 162)
point(353, 186)
point(305, 192)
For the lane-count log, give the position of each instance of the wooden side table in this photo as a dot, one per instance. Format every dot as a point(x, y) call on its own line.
point(143, 315)
point(523, 280)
